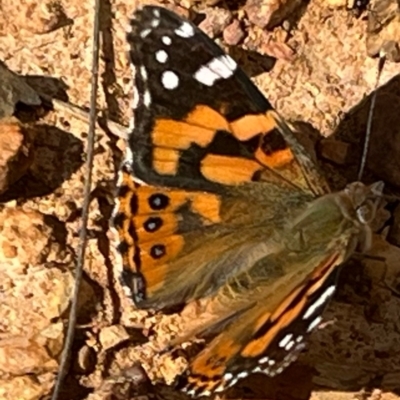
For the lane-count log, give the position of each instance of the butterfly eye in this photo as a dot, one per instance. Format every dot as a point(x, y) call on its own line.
point(366, 213)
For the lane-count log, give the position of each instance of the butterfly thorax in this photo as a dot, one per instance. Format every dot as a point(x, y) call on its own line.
point(334, 224)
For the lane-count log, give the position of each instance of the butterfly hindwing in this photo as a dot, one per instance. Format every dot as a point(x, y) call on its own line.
point(261, 339)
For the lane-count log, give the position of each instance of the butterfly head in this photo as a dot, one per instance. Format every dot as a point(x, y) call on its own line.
point(365, 199)
point(364, 202)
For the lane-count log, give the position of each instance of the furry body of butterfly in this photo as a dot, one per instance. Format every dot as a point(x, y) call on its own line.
point(218, 203)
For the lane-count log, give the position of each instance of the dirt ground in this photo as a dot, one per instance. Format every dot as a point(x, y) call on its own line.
point(314, 68)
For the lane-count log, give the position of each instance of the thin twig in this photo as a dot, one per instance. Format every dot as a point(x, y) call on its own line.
point(361, 169)
point(85, 208)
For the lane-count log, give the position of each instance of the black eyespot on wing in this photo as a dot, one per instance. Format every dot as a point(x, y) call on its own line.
point(158, 201)
point(152, 224)
point(157, 251)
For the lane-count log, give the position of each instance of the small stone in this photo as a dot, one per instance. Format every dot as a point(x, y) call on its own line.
point(383, 30)
point(335, 151)
point(86, 360)
point(269, 13)
point(216, 20)
point(113, 335)
point(14, 89)
point(233, 34)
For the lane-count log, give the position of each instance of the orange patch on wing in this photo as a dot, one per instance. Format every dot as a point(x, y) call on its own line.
point(154, 277)
point(324, 271)
point(228, 170)
point(206, 117)
point(155, 270)
point(180, 135)
point(251, 125)
point(261, 321)
point(258, 346)
point(208, 206)
point(165, 161)
point(285, 304)
point(277, 159)
point(212, 360)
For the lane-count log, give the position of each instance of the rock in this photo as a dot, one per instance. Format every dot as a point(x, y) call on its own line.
point(14, 89)
point(86, 360)
point(383, 31)
point(113, 335)
point(269, 13)
point(22, 388)
point(21, 356)
point(216, 20)
point(335, 151)
point(16, 144)
point(233, 34)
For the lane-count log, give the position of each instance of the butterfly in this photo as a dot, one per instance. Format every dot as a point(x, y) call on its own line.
point(218, 203)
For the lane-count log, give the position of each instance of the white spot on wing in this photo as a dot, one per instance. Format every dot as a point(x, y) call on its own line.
point(228, 376)
point(242, 375)
point(147, 98)
point(221, 67)
point(185, 30)
point(169, 80)
point(161, 56)
point(263, 360)
point(205, 76)
point(219, 388)
point(224, 66)
point(289, 345)
point(155, 22)
point(145, 33)
point(166, 40)
point(319, 302)
point(143, 73)
point(314, 323)
point(156, 13)
point(285, 340)
point(299, 339)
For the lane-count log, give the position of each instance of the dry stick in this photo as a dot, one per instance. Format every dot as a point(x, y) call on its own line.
point(85, 207)
point(381, 63)
point(115, 128)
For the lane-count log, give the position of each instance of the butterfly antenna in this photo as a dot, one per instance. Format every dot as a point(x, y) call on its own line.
point(381, 63)
point(85, 208)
